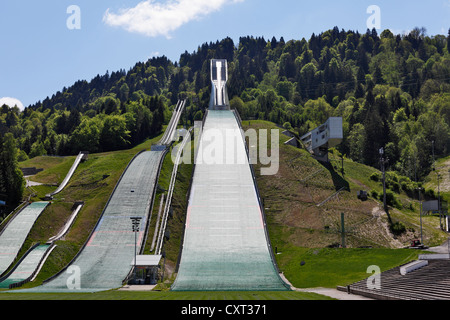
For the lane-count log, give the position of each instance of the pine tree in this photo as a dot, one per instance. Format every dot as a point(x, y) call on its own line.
point(448, 41)
point(12, 182)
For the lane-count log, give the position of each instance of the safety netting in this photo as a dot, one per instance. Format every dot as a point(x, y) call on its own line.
point(225, 245)
point(106, 259)
point(15, 233)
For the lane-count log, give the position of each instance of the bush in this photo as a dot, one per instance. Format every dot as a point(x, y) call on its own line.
point(407, 187)
point(392, 181)
point(392, 176)
point(397, 228)
point(429, 193)
point(391, 199)
point(376, 176)
point(395, 186)
point(374, 194)
point(287, 126)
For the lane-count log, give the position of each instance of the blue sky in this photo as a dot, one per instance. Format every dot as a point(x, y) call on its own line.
point(39, 54)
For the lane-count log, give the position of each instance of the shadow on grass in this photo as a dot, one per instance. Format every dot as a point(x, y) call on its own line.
point(338, 181)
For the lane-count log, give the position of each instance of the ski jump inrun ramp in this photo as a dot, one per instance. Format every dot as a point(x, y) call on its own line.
point(226, 246)
point(69, 175)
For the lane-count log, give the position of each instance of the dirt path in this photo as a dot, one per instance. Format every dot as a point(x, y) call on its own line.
point(378, 213)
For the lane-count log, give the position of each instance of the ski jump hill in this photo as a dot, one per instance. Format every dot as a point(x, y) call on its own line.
point(104, 262)
point(226, 246)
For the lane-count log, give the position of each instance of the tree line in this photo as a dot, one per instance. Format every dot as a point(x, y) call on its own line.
point(393, 91)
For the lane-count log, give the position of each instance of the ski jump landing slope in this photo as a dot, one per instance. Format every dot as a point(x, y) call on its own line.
point(105, 260)
point(225, 244)
point(27, 266)
point(15, 233)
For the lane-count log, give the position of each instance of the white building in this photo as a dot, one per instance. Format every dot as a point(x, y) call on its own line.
point(328, 135)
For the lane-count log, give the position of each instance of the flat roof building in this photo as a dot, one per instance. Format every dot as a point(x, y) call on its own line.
point(326, 136)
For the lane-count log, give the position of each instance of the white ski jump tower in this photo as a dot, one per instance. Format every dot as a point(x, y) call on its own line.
point(328, 135)
point(219, 77)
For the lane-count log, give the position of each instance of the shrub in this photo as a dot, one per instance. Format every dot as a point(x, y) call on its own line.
point(392, 181)
point(374, 194)
point(397, 228)
point(391, 199)
point(395, 186)
point(393, 176)
point(429, 193)
point(376, 176)
point(407, 187)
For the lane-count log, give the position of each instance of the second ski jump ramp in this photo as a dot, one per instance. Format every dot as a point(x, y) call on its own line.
point(225, 244)
point(15, 233)
point(172, 126)
point(105, 260)
point(27, 266)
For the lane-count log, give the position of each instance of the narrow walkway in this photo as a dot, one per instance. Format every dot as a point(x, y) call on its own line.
point(329, 292)
point(334, 293)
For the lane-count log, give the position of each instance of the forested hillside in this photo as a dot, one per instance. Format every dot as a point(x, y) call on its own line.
point(393, 91)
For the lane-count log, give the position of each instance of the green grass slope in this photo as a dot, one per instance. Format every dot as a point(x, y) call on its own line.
point(92, 182)
point(304, 228)
point(297, 213)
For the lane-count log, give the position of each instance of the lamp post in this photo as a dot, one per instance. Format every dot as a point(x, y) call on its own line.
point(135, 224)
point(421, 233)
point(383, 161)
point(438, 177)
point(343, 230)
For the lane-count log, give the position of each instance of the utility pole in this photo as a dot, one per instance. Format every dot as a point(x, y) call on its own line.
point(342, 230)
point(439, 195)
point(439, 201)
point(421, 232)
point(437, 173)
point(382, 164)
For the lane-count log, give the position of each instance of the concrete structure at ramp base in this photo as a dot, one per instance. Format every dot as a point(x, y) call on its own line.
point(226, 246)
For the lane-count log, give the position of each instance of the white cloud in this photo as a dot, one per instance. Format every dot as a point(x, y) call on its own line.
point(11, 102)
point(154, 19)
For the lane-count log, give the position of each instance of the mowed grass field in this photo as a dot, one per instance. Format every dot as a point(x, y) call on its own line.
point(168, 295)
point(332, 267)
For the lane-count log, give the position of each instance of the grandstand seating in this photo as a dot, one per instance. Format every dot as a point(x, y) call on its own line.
point(431, 282)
